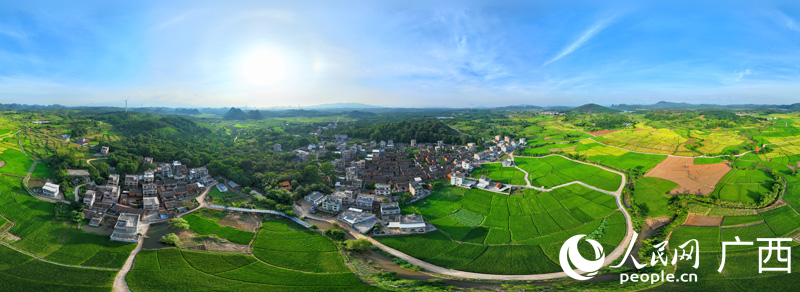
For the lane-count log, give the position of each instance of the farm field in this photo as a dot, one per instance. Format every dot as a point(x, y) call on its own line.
point(744, 186)
point(741, 266)
point(484, 232)
point(648, 140)
point(555, 170)
point(507, 175)
point(59, 241)
point(691, 178)
point(181, 270)
point(652, 191)
point(202, 225)
point(20, 272)
point(288, 245)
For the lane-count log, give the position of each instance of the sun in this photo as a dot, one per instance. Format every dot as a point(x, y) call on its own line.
point(264, 66)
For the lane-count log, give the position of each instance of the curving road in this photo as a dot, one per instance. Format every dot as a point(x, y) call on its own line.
point(610, 258)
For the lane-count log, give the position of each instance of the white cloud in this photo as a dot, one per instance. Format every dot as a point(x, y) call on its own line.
point(585, 37)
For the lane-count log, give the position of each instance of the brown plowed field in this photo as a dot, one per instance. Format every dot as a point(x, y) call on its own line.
point(691, 178)
point(700, 220)
point(601, 133)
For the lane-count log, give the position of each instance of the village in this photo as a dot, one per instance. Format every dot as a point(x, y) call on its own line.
point(380, 176)
point(376, 179)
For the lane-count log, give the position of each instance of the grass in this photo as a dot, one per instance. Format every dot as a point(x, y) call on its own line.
point(651, 191)
point(202, 225)
point(485, 229)
point(199, 271)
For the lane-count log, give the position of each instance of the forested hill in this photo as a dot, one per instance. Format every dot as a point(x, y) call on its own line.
point(592, 108)
point(424, 131)
point(149, 124)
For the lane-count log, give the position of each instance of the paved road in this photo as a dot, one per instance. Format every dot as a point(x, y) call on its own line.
point(120, 285)
point(77, 190)
point(611, 257)
point(527, 179)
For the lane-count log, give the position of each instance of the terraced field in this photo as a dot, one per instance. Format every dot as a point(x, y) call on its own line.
point(181, 270)
point(20, 272)
point(55, 240)
point(484, 232)
point(741, 263)
point(291, 246)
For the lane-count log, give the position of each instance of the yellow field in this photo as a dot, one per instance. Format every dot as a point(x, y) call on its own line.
point(648, 139)
point(714, 142)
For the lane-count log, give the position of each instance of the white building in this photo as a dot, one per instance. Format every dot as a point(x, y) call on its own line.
point(383, 189)
point(50, 189)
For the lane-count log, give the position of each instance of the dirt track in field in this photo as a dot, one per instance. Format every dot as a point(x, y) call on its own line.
point(705, 221)
point(691, 178)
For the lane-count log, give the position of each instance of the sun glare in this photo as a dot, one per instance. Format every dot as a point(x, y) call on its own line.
point(264, 67)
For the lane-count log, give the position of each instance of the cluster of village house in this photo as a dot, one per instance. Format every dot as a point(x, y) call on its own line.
point(156, 194)
point(385, 165)
point(391, 170)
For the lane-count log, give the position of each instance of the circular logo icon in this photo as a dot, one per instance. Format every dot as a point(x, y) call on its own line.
point(570, 254)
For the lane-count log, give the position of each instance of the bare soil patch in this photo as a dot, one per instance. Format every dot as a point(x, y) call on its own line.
point(241, 221)
point(601, 133)
point(691, 178)
point(193, 241)
point(700, 220)
point(548, 138)
point(2, 163)
point(655, 223)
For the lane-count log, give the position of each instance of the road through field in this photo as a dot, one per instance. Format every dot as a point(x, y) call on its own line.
point(610, 258)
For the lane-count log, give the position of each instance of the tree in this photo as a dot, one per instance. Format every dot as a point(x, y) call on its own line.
point(78, 216)
point(178, 224)
point(335, 225)
point(357, 244)
point(334, 234)
point(171, 239)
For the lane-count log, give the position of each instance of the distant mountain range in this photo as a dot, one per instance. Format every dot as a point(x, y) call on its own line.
point(666, 105)
point(357, 109)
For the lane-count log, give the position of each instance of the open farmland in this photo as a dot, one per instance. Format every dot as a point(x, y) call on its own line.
point(744, 186)
point(484, 232)
point(497, 173)
point(555, 170)
point(651, 192)
point(55, 240)
point(20, 272)
point(181, 270)
point(741, 266)
point(288, 245)
point(202, 225)
point(691, 178)
point(648, 140)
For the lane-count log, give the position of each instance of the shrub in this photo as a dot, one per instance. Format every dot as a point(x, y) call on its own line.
point(171, 239)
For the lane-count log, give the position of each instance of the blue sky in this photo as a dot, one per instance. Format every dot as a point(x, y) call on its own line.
point(397, 53)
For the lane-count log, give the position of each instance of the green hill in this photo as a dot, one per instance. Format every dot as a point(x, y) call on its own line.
point(592, 108)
